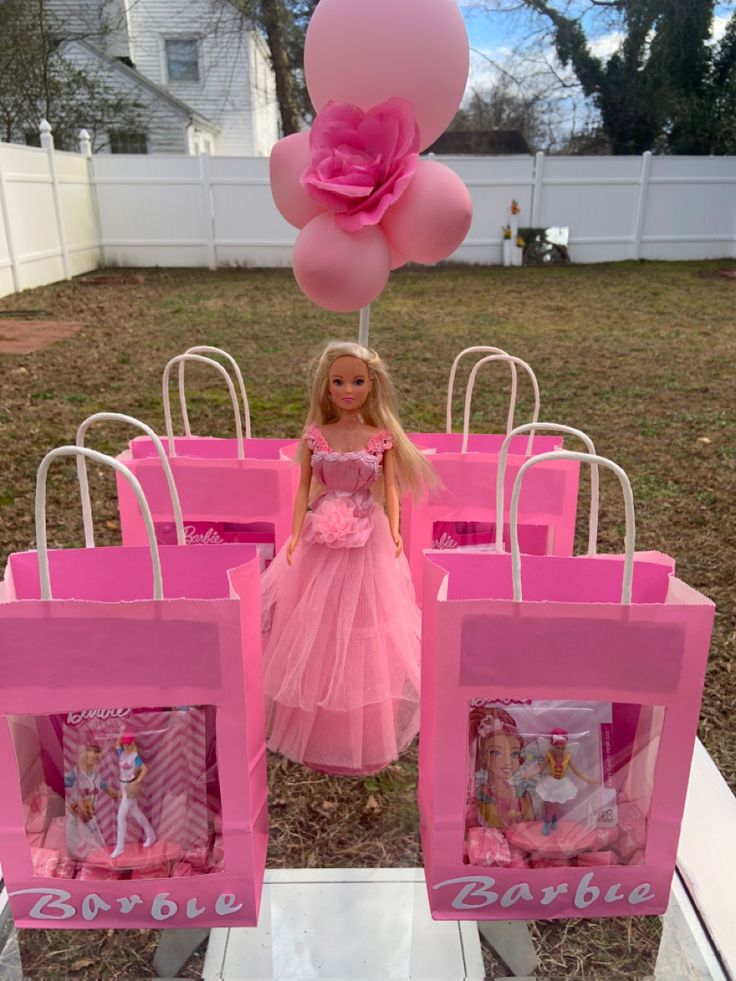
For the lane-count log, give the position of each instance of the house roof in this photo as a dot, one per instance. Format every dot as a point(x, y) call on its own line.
point(159, 91)
point(492, 141)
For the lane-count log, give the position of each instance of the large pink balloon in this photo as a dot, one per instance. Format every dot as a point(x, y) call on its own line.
point(341, 271)
point(432, 217)
point(289, 159)
point(366, 51)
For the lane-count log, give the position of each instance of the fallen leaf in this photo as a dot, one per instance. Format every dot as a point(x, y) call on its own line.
point(705, 440)
point(328, 805)
point(372, 806)
point(112, 525)
point(82, 962)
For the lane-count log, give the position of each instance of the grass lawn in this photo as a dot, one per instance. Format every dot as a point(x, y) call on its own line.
point(639, 355)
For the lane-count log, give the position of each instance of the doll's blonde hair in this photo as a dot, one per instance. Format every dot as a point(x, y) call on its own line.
point(379, 410)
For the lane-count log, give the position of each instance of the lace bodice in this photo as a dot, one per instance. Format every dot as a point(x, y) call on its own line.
point(347, 472)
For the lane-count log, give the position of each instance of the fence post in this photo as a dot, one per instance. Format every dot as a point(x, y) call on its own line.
point(85, 144)
point(85, 149)
point(47, 142)
point(537, 190)
point(641, 207)
point(5, 215)
point(208, 207)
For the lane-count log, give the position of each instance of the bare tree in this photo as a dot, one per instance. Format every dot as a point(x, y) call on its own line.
point(660, 77)
point(284, 24)
point(37, 80)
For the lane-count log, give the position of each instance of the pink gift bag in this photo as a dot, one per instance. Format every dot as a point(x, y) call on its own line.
point(462, 512)
point(232, 490)
point(131, 731)
point(560, 701)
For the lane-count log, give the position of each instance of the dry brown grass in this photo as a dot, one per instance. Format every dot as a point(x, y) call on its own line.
point(639, 355)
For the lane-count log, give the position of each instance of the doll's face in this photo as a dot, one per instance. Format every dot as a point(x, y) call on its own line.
point(349, 384)
point(130, 748)
point(91, 756)
point(504, 755)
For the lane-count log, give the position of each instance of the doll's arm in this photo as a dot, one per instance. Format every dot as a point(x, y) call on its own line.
point(300, 503)
point(134, 787)
point(392, 499)
point(581, 775)
point(537, 771)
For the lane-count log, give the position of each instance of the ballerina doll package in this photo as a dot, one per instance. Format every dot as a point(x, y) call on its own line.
point(341, 625)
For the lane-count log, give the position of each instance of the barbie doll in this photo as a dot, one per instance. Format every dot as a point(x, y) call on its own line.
point(341, 626)
point(83, 785)
point(498, 758)
point(132, 771)
point(557, 788)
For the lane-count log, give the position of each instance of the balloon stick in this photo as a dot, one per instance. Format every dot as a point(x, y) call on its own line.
point(365, 319)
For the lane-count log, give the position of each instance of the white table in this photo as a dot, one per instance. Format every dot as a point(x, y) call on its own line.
point(340, 924)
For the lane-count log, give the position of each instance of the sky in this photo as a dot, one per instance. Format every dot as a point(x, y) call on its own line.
point(495, 34)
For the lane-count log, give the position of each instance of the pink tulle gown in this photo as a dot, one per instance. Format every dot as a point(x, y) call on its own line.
point(341, 626)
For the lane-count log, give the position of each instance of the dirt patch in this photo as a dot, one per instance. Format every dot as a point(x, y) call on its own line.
point(111, 279)
point(718, 273)
point(26, 336)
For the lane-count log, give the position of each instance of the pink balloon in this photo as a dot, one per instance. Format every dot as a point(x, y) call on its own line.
point(432, 217)
point(397, 261)
point(367, 51)
point(341, 271)
point(290, 157)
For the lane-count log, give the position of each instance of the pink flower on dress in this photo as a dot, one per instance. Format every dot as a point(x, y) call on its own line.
point(334, 522)
point(362, 162)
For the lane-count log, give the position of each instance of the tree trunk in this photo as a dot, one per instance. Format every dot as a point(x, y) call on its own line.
point(273, 17)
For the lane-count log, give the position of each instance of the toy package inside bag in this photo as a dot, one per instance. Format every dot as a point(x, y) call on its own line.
point(542, 779)
point(481, 535)
point(262, 534)
point(121, 793)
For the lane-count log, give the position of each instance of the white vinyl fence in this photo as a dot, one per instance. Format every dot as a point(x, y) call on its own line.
point(48, 216)
point(62, 214)
point(217, 211)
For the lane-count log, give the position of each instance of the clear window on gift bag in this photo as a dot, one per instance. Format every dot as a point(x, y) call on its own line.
point(559, 783)
point(262, 534)
point(481, 535)
point(124, 793)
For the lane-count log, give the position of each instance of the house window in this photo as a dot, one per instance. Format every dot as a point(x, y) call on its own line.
point(182, 60)
point(128, 143)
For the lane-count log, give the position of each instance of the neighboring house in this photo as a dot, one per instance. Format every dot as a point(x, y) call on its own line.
point(492, 142)
point(202, 76)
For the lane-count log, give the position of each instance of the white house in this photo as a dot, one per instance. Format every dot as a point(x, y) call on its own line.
point(199, 69)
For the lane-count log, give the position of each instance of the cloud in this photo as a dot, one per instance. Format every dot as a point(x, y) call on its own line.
point(719, 26)
point(605, 45)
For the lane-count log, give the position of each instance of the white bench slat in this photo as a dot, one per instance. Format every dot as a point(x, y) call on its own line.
point(706, 857)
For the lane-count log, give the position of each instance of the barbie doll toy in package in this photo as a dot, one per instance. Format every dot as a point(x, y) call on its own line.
point(120, 793)
point(540, 784)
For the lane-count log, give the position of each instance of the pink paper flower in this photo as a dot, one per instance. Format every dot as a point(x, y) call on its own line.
point(361, 161)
